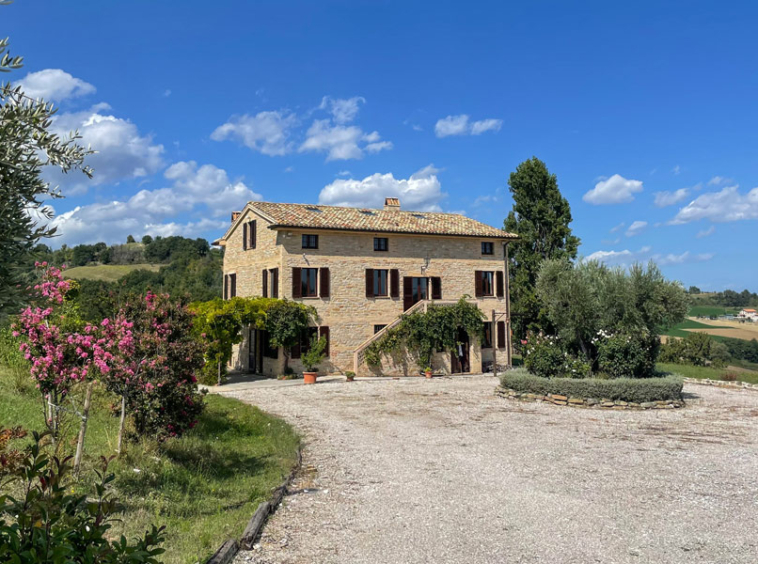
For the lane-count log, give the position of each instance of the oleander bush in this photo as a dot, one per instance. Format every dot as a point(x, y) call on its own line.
point(638, 390)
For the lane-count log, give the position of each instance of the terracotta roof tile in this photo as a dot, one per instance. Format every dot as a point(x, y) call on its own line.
point(364, 219)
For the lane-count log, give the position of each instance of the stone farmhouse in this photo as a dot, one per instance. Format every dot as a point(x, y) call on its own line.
point(361, 269)
point(748, 314)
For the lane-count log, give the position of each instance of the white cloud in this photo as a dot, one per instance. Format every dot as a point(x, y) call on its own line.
point(420, 192)
point(618, 227)
point(716, 180)
point(720, 207)
point(343, 110)
point(193, 189)
point(636, 228)
point(266, 132)
point(614, 190)
point(663, 199)
point(706, 232)
point(341, 142)
point(460, 125)
point(627, 257)
point(122, 152)
point(54, 85)
point(685, 257)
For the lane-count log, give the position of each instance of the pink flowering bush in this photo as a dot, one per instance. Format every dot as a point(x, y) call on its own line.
point(150, 360)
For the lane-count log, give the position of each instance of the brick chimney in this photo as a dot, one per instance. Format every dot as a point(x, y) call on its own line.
point(392, 204)
point(235, 215)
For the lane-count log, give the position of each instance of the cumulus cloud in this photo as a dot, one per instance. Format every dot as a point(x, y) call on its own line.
point(205, 189)
point(460, 125)
point(717, 180)
point(341, 142)
point(720, 207)
point(628, 257)
point(420, 192)
point(636, 228)
point(685, 257)
point(343, 110)
point(54, 85)
point(613, 190)
point(122, 152)
point(663, 199)
point(265, 132)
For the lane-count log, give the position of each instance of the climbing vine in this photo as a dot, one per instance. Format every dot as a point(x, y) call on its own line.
point(423, 333)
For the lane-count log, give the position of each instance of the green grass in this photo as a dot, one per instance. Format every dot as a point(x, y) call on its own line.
point(204, 487)
point(107, 272)
point(706, 372)
point(709, 311)
point(678, 330)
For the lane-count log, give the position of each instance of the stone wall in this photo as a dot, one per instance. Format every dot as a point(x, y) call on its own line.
point(596, 403)
point(348, 313)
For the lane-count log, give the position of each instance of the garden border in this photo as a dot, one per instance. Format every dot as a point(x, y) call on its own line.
point(230, 547)
point(586, 403)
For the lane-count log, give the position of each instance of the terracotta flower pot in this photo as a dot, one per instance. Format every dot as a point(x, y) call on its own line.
point(428, 373)
point(309, 377)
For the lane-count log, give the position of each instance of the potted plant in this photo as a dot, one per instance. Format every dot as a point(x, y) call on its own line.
point(350, 375)
point(312, 358)
point(428, 371)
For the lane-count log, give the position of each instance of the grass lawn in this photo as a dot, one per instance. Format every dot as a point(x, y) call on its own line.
point(678, 330)
point(107, 272)
point(204, 487)
point(708, 311)
point(706, 372)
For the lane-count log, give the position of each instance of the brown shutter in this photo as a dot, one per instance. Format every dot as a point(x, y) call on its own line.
point(275, 283)
point(233, 284)
point(501, 334)
point(369, 282)
point(265, 283)
point(394, 283)
point(297, 286)
point(500, 285)
point(253, 232)
point(324, 282)
point(436, 288)
point(478, 292)
point(407, 292)
point(226, 287)
point(244, 236)
point(323, 331)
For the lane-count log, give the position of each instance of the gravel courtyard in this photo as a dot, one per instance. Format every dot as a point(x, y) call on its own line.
point(442, 471)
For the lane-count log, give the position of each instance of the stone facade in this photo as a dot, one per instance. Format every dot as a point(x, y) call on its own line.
point(351, 316)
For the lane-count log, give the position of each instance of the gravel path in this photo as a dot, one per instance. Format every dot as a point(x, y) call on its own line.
point(442, 471)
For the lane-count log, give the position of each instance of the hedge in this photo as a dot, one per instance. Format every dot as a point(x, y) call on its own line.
point(638, 390)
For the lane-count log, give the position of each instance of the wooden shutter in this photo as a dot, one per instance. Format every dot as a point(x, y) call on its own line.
point(252, 233)
point(324, 282)
point(297, 286)
point(275, 283)
point(436, 288)
point(323, 331)
point(233, 285)
point(500, 285)
point(394, 283)
point(369, 282)
point(226, 286)
point(265, 283)
point(501, 334)
point(407, 292)
point(478, 291)
point(244, 236)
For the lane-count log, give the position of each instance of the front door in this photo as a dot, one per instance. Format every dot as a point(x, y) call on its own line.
point(459, 361)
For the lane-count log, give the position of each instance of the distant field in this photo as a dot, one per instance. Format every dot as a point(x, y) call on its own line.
point(702, 372)
point(107, 272)
point(682, 329)
point(708, 311)
point(734, 329)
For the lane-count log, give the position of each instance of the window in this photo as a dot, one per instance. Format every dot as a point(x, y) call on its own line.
point(381, 244)
point(380, 282)
point(420, 289)
point(269, 351)
point(270, 283)
point(486, 281)
point(488, 248)
point(306, 338)
point(487, 341)
point(230, 286)
point(308, 282)
point(378, 328)
point(310, 241)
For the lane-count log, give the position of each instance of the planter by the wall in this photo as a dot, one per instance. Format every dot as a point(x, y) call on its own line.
point(309, 377)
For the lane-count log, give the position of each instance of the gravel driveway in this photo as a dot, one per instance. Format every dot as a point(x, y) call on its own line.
point(442, 471)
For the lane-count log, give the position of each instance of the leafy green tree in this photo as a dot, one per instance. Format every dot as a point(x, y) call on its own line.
point(26, 146)
point(130, 239)
point(285, 323)
point(147, 239)
point(541, 217)
point(693, 290)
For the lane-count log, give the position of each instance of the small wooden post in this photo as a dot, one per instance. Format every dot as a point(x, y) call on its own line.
point(121, 425)
point(83, 429)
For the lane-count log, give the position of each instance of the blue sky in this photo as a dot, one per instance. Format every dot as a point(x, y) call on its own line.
point(645, 111)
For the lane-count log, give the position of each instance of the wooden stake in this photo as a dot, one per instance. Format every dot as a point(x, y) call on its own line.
point(83, 429)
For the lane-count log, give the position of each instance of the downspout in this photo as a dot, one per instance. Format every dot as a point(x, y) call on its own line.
point(508, 337)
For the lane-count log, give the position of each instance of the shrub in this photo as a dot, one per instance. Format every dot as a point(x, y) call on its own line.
point(51, 523)
point(698, 349)
point(626, 356)
point(315, 354)
point(624, 389)
point(545, 358)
